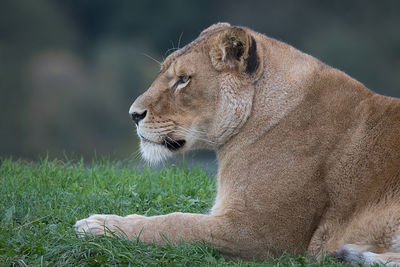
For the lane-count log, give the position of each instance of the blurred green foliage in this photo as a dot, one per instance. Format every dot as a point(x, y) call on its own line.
point(69, 70)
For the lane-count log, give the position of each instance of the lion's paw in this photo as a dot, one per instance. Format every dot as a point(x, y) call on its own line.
point(96, 224)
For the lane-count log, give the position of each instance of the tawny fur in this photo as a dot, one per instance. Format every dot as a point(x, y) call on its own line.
point(309, 158)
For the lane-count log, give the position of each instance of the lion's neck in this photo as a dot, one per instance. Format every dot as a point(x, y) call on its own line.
point(282, 87)
point(278, 93)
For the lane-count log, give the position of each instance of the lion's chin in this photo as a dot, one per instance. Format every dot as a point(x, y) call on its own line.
point(154, 153)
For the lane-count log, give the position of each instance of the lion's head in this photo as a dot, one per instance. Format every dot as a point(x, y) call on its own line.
point(202, 95)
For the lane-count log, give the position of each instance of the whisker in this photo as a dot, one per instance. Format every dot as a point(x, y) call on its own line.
point(170, 140)
point(199, 134)
point(171, 49)
point(168, 143)
point(184, 131)
point(179, 41)
point(144, 54)
point(138, 154)
point(192, 130)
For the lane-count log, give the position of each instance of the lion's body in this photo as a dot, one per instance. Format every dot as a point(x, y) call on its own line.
point(309, 159)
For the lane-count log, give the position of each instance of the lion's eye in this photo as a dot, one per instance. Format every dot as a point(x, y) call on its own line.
point(182, 80)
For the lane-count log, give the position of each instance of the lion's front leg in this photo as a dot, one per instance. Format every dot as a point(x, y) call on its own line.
point(175, 226)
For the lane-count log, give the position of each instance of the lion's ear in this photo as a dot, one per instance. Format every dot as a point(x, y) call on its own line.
point(214, 27)
point(234, 49)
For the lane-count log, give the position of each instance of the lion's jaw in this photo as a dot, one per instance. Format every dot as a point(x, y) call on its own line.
point(153, 152)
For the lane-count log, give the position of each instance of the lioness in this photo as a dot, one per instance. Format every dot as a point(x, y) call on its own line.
point(309, 158)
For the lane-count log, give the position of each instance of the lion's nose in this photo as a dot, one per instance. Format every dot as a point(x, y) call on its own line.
point(138, 116)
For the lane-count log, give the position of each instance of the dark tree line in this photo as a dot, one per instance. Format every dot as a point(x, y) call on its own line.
point(70, 69)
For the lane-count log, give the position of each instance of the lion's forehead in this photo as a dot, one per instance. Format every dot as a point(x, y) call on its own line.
point(174, 56)
point(194, 45)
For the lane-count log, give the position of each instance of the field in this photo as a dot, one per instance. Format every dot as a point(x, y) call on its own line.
point(41, 201)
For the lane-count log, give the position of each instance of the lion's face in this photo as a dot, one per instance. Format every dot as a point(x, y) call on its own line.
point(175, 112)
point(200, 98)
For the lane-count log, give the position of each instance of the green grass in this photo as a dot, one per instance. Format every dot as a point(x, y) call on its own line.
point(40, 203)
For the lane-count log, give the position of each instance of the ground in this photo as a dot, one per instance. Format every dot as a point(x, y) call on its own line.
point(41, 201)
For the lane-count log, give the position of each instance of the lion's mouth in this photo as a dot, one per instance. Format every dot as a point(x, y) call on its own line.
point(173, 144)
point(169, 143)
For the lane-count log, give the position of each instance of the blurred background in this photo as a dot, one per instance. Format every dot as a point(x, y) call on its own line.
point(69, 70)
